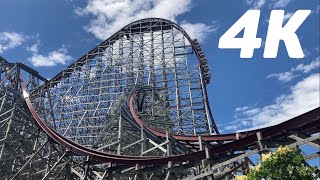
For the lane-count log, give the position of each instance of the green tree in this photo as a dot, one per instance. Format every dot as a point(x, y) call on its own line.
point(283, 164)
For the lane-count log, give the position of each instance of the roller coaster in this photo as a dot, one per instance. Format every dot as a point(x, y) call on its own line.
point(134, 107)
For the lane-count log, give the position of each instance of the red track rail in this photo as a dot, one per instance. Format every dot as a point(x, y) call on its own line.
point(291, 125)
point(225, 137)
point(65, 72)
point(211, 138)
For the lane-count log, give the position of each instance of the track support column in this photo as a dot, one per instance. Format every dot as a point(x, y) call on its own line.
point(120, 134)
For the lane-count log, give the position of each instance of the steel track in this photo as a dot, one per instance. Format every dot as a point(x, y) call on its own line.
point(245, 142)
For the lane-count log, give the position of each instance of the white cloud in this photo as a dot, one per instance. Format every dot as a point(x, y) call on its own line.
point(242, 108)
point(301, 68)
point(198, 30)
point(112, 15)
point(303, 97)
point(255, 4)
point(53, 58)
point(281, 3)
point(309, 67)
point(287, 16)
point(34, 48)
point(232, 127)
point(283, 77)
point(9, 40)
point(258, 4)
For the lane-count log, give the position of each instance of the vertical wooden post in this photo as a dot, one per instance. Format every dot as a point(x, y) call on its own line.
point(120, 134)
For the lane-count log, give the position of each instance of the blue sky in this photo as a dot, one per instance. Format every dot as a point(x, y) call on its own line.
point(244, 93)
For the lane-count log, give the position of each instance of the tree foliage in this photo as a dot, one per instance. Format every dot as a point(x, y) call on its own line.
point(283, 164)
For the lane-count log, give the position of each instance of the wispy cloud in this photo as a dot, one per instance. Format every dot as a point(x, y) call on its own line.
point(110, 16)
point(242, 108)
point(258, 4)
point(34, 48)
point(198, 30)
point(281, 3)
point(10, 40)
point(283, 77)
point(304, 96)
point(255, 4)
point(287, 16)
point(309, 67)
point(301, 68)
point(53, 58)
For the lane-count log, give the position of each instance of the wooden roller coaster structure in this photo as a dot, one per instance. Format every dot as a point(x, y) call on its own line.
point(134, 107)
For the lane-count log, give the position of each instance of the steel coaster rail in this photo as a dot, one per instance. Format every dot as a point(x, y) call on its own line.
point(281, 129)
point(210, 138)
point(203, 66)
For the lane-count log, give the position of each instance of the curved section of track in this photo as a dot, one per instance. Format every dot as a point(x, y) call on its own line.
point(194, 44)
point(210, 138)
point(278, 130)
